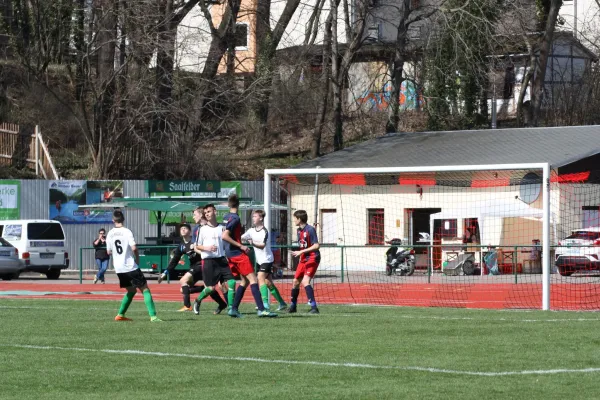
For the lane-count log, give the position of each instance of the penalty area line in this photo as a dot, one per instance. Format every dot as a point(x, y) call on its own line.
point(307, 362)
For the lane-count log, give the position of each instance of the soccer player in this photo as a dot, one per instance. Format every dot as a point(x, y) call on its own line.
point(194, 275)
point(210, 245)
point(120, 244)
point(239, 262)
point(309, 261)
point(258, 236)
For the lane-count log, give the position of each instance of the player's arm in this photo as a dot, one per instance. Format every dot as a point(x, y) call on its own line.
point(109, 243)
point(314, 247)
point(172, 264)
point(134, 249)
point(136, 254)
point(227, 236)
point(247, 237)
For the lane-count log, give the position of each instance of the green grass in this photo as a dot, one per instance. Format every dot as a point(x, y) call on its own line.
point(450, 339)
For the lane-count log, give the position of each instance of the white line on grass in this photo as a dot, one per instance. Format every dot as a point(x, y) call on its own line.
point(313, 363)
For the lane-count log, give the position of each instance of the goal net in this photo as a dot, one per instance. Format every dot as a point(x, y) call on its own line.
point(472, 236)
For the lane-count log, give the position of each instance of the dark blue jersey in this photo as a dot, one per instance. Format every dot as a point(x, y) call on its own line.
point(307, 236)
point(234, 226)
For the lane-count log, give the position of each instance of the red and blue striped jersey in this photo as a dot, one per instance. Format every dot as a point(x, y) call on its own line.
point(307, 236)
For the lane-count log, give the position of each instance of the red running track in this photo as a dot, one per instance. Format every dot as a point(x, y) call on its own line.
point(471, 295)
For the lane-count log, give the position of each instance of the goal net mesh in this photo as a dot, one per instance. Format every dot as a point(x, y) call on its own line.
point(474, 238)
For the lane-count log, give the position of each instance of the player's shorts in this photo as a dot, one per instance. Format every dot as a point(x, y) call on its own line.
point(307, 267)
point(216, 270)
point(267, 268)
point(196, 272)
point(241, 265)
point(133, 278)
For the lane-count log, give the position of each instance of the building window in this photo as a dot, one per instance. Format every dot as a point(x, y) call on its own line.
point(241, 36)
point(591, 216)
point(448, 228)
point(328, 227)
point(375, 226)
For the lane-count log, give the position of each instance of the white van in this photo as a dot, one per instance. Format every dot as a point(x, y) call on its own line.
point(41, 244)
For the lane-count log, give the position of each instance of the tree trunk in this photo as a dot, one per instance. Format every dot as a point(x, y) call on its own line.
point(398, 69)
point(325, 79)
point(540, 67)
point(524, 87)
point(267, 42)
point(106, 37)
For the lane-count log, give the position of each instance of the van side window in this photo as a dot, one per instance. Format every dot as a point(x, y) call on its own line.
point(44, 231)
point(12, 232)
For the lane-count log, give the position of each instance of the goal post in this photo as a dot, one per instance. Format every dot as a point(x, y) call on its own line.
point(486, 196)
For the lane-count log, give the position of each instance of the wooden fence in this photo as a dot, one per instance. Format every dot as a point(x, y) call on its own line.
point(19, 148)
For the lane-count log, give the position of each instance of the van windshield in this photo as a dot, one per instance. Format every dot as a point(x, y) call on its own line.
point(45, 231)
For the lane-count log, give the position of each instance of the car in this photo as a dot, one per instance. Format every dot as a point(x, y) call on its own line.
point(10, 265)
point(579, 251)
point(41, 244)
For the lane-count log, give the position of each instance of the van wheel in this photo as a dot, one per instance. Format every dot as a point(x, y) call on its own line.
point(53, 274)
point(6, 277)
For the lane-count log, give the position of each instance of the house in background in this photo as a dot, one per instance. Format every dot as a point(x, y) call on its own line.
point(569, 60)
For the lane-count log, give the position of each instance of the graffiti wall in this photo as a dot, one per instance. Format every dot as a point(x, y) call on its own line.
point(371, 88)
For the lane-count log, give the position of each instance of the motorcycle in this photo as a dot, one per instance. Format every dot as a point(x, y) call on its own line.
point(399, 260)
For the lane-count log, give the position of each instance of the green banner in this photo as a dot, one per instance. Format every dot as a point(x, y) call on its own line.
point(226, 188)
point(171, 187)
point(10, 199)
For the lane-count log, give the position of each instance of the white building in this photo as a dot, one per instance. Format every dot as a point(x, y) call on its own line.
point(505, 207)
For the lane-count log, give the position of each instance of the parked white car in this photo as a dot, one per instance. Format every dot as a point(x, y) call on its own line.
point(41, 244)
point(10, 265)
point(579, 251)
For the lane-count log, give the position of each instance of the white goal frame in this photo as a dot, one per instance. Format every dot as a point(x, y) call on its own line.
point(545, 167)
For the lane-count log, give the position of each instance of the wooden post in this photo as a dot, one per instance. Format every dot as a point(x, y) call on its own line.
point(37, 150)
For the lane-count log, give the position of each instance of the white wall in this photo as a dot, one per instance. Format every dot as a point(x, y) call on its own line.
point(352, 202)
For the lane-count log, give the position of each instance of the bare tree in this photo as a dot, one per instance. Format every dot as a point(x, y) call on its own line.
point(551, 9)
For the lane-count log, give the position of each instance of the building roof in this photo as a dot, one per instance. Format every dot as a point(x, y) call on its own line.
point(557, 146)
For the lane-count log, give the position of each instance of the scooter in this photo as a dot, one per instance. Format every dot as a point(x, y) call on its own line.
point(399, 260)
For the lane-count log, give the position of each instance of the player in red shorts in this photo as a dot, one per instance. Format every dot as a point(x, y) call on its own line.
point(309, 261)
point(239, 262)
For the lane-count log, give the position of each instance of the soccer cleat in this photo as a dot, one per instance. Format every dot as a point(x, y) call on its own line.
point(314, 310)
point(292, 309)
point(184, 308)
point(266, 314)
point(219, 310)
point(282, 307)
point(102, 281)
point(234, 313)
point(122, 318)
point(95, 280)
point(196, 307)
point(155, 319)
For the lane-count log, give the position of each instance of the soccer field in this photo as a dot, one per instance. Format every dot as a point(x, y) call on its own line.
point(65, 349)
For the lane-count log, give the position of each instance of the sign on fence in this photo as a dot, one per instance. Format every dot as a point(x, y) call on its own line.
point(10, 199)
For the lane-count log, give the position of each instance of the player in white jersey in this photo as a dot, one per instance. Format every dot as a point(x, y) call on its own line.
point(258, 236)
point(120, 244)
point(209, 244)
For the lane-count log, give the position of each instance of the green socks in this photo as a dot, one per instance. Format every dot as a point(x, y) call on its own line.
point(204, 294)
point(127, 299)
point(231, 292)
point(264, 293)
point(276, 294)
point(149, 303)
